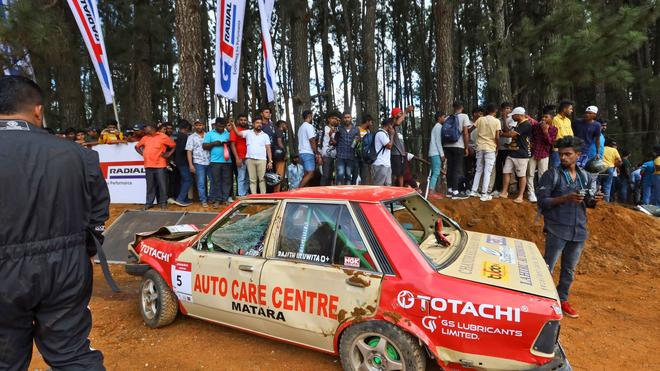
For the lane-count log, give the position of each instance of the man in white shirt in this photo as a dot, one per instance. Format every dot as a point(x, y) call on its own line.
point(383, 141)
point(307, 148)
point(436, 154)
point(258, 157)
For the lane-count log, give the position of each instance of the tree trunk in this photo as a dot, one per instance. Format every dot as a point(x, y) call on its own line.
point(191, 59)
point(142, 92)
point(443, 12)
point(501, 52)
point(369, 53)
point(67, 77)
point(326, 49)
point(298, 18)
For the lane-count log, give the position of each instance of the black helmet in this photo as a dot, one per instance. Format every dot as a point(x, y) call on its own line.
point(273, 179)
point(596, 166)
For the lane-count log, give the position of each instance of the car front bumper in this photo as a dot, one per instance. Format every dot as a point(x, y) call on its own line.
point(136, 269)
point(558, 363)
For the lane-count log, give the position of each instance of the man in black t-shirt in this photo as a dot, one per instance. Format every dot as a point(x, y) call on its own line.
point(181, 162)
point(519, 154)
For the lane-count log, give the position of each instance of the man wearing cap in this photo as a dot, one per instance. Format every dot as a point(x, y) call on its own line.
point(587, 129)
point(156, 148)
point(519, 154)
point(218, 142)
point(138, 133)
point(91, 136)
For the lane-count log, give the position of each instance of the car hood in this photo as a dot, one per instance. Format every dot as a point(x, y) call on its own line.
point(503, 262)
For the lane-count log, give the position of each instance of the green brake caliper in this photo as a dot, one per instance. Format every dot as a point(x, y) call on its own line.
point(389, 349)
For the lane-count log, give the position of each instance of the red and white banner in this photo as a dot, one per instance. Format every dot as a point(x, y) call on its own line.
point(265, 13)
point(228, 35)
point(86, 14)
point(123, 170)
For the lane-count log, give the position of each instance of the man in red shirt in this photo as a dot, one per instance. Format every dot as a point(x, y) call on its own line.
point(155, 147)
point(239, 149)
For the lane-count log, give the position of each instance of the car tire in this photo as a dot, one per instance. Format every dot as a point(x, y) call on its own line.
point(374, 345)
point(158, 304)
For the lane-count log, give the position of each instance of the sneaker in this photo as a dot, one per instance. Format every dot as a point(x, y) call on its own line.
point(205, 204)
point(171, 201)
point(182, 204)
point(459, 196)
point(486, 197)
point(473, 194)
point(532, 198)
point(495, 194)
point(568, 310)
point(216, 204)
point(147, 207)
point(230, 200)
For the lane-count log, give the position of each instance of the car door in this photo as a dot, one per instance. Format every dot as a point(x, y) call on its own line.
point(320, 273)
point(220, 277)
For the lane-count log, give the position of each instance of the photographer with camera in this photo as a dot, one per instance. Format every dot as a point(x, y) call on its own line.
point(563, 195)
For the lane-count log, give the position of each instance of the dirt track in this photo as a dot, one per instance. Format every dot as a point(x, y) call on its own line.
point(616, 291)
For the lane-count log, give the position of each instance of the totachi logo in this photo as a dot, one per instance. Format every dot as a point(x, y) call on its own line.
point(406, 299)
point(429, 323)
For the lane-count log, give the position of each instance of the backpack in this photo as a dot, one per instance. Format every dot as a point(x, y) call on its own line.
point(451, 132)
point(369, 153)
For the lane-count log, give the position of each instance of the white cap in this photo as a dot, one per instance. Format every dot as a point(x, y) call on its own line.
point(518, 111)
point(592, 109)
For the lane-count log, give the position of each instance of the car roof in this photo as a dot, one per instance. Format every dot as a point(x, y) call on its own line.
point(372, 194)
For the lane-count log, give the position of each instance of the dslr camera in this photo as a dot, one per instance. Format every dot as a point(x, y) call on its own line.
point(589, 198)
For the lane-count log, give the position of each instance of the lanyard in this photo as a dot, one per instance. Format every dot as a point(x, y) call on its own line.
point(577, 178)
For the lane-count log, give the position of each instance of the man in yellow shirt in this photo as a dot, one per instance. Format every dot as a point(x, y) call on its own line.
point(562, 122)
point(111, 135)
point(612, 159)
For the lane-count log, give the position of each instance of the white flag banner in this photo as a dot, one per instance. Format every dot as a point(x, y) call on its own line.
point(87, 18)
point(228, 35)
point(266, 12)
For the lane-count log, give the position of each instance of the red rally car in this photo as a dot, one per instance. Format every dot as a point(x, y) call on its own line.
point(375, 275)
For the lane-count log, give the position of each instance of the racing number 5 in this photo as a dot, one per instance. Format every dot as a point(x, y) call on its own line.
point(178, 281)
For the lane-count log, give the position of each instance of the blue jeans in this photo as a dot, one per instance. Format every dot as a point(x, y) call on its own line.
point(647, 191)
point(554, 159)
point(242, 180)
point(201, 172)
point(622, 187)
point(345, 170)
point(436, 166)
point(570, 252)
point(656, 190)
point(607, 184)
point(186, 183)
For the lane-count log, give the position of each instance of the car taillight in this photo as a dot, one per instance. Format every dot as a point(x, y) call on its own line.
point(545, 342)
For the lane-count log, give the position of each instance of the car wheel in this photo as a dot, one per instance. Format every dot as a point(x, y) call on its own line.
point(378, 345)
point(158, 304)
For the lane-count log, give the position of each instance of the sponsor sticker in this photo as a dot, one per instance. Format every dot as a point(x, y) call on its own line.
point(505, 254)
point(496, 271)
point(351, 261)
point(182, 281)
point(14, 125)
point(496, 240)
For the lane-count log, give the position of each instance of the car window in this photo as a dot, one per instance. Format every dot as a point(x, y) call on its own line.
point(309, 233)
point(243, 231)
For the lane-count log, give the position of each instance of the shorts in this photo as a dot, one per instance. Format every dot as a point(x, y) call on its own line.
point(308, 161)
point(381, 175)
point(398, 165)
point(519, 165)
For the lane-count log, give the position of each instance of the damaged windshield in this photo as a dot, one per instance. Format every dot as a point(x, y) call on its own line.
point(418, 219)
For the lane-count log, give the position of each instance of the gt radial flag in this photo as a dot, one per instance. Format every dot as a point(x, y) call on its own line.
point(266, 12)
point(87, 18)
point(228, 35)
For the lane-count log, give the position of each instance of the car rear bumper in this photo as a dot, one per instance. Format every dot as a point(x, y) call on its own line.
point(136, 269)
point(558, 363)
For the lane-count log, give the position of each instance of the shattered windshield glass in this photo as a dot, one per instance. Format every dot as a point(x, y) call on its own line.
point(243, 231)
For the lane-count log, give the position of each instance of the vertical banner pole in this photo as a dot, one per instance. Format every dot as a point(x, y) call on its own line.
point(114, 107)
